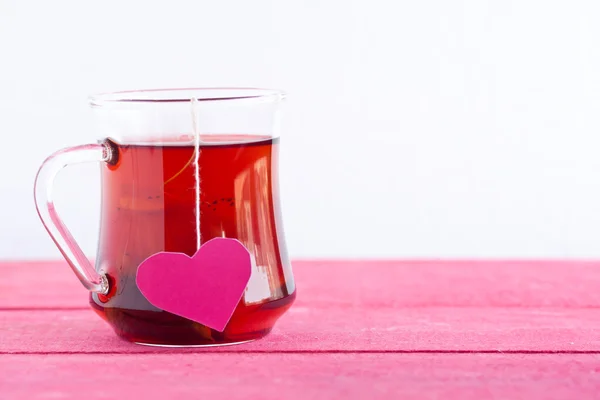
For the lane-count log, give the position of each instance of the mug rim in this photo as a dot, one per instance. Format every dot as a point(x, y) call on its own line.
point(180, 95)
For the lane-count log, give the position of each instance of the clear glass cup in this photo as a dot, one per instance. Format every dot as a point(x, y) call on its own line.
point(146, 152)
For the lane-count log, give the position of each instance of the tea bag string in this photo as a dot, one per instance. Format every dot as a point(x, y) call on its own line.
point(196, 133)
point(195, 158)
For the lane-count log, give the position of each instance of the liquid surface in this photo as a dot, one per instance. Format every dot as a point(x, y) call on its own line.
point(149, 205)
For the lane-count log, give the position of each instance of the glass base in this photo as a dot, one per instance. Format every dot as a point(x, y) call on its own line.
point(160, 328)
point(192, 339)
point(187, 346)
point(163, 329)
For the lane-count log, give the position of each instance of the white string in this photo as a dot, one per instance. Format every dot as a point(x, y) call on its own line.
point(196, 167)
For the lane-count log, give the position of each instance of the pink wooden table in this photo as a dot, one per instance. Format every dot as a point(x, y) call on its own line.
point(358, 330)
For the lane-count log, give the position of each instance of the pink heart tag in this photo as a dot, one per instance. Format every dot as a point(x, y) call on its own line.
point(205, 288)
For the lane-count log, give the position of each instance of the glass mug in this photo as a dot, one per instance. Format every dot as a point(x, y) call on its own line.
point(149, 205)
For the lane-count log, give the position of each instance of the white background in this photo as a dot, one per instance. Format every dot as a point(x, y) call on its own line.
point(413, 128)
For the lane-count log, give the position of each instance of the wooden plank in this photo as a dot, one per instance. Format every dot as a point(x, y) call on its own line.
point(321, 329)
point(40, 285)
point(301, 376)
point(450, 283)
point(368, 283)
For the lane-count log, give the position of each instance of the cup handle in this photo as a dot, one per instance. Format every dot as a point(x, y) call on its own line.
point(44, 180)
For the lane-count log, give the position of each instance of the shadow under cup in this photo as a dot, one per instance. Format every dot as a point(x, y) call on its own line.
point(150, 200)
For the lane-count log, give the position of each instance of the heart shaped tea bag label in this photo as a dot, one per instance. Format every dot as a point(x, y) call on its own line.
point(204, 288)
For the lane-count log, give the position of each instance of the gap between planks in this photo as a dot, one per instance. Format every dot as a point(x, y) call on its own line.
point(200, 351)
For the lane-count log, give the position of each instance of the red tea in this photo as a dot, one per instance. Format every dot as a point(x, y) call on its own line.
point(149, 205)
